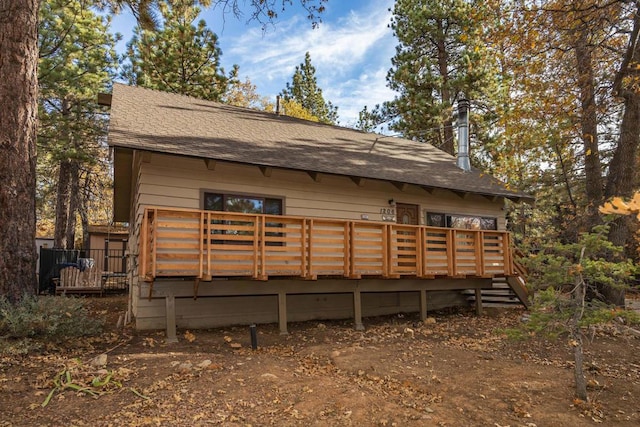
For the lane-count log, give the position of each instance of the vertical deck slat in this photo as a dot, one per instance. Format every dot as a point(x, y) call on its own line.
point(154, 242)
point(350, 263)
point(385, 250)
point(303, 252)
point(346, 248)
point(144, 232)
point(391, 246)
point(480, 253)
point(259, 247)
point(420, 252)
point(311, 273)
point(209, 270)
point(201, 241)
point(451, 252)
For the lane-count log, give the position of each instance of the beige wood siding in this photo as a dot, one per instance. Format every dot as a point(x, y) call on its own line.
point(179, 182)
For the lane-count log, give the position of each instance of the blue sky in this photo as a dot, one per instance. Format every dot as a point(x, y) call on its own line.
point(351, 50)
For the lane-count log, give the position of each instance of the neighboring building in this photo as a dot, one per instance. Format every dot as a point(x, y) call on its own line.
point(108, 246)
point(321, 233)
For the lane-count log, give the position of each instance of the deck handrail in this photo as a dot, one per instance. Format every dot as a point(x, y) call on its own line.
point(207, 244)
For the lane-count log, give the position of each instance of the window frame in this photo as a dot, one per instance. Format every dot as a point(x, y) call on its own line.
point(448, 220)
point(227, 194)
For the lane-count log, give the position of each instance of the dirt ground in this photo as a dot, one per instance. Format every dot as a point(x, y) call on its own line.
point(453, 370)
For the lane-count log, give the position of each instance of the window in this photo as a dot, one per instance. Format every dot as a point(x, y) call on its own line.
point(468, 222)
point(436, 219)
point(244, 204)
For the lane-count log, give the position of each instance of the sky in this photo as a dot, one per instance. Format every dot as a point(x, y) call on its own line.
point(351, 51)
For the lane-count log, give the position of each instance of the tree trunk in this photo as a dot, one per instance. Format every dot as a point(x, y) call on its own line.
point(623, 166)
point(578, 372)
point(565, 213)
point(443, 68)
point(589, 127)
point(578, 297)
point(83, 209)
point(63, 194)
point(64, 191)
point(18, 110)
point(74, 200)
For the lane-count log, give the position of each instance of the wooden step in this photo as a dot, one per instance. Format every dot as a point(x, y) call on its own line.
point(502, 293)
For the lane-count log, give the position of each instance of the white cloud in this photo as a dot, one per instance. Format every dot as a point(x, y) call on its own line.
point(369, 88)
point(351, 56)
point(351, 53)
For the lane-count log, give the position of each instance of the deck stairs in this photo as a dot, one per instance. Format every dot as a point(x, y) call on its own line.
point(506, 291)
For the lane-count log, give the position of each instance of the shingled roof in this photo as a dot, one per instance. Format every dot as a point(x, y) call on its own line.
point(149, 120)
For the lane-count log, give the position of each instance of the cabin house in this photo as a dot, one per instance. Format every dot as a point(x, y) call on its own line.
point(239, 216)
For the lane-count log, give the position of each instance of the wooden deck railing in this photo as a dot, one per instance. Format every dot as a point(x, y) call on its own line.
point(209, 244)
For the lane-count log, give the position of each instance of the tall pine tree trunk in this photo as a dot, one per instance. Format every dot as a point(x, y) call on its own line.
point(63, 195)
point(18, 110)
point(589, 127)
point(74, 201)
point(623, 166)
point(64, 190)
point(443, 69)
point(83, 212)
point(622, 175)
point(622, 169)
point(67, 204)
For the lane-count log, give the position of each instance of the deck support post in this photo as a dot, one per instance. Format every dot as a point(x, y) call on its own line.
point(357, 311)
point(170, 302)
point(282, 312)
point(478, 301)
point(423, 304)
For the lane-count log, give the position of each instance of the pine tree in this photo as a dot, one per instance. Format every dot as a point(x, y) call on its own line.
point(180, 58)
point(18, 107)
point(439, 57)
point(304, 90)
point(77, 61)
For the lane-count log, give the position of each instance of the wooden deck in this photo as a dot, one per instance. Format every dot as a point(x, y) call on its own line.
point(206, 244)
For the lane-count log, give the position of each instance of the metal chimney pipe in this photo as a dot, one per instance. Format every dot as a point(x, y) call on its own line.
point(463, 135)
